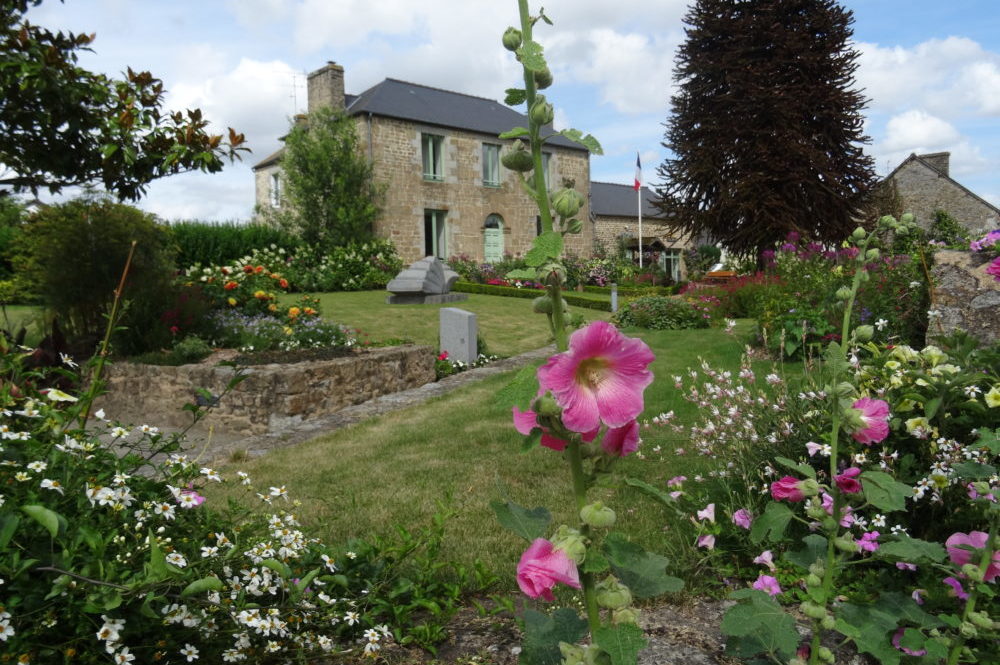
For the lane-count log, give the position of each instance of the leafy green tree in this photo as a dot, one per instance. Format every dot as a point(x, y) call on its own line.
point(61, 125)
point(766, 130)
point(330, 198)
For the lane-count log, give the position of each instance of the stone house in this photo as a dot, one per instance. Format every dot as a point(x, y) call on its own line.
point(615, 209)
point(924, 185)
point(438, 155)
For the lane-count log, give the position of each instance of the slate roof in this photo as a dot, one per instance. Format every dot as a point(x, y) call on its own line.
point(616, 200)
point(393, 98)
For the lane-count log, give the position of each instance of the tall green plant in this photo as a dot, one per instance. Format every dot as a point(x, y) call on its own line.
point(219, 244)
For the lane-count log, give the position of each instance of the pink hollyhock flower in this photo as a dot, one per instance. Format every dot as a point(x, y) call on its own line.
point(600, 378)
point(766, 558)
point(956, 587)
point(868, 541)
point(845, 521)
point(846, 480)
point(525, 421)
point(994, 269)
point(621, 441)
point(675, 494)
point(897, 637)
point(918, 596)
point(875, 416)
point(707, 541)
point(707, 513)
point(902, 565)
point(743, 518)
point(768, 584)
point(812, 447)
point(676, 481)
point(976, 540)
point(541, 567)
point(788, 488)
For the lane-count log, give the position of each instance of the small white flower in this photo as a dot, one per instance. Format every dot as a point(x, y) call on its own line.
point(57, 395)
point(280, 491)
point(68, 361)
point(124, 656)
point(189, 652)
point(55, 485)
point(207, 552)
point(244, 477)
point(38, 467)
point(211, 474)
point(933, 314)
point(6, 630)
point(881, 324)
point(176, 559)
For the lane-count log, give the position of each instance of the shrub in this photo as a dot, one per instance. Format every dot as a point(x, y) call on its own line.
point(219, 244)
point(74, 254)
point(661, 313)
point(514, 292)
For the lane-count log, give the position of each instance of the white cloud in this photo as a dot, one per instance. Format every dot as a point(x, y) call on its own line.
point(918, 131)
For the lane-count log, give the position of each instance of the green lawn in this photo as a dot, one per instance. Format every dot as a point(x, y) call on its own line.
point(507, 325)
point(363, 480)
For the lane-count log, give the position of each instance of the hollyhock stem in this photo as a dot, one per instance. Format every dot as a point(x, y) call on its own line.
point(580, 491)
point(970, 604)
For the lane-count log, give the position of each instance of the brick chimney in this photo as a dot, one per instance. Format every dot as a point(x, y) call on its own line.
point(939, 160)
point(326, 87)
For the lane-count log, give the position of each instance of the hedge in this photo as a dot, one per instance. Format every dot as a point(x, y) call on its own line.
point(514, 292)
point(633, 291)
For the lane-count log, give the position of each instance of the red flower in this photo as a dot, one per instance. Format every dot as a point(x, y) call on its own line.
point(230, 286)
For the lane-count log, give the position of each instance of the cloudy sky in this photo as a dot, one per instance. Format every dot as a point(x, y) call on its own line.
point(931, 70)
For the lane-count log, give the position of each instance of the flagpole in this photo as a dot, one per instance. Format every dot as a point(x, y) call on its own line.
point(639, 203)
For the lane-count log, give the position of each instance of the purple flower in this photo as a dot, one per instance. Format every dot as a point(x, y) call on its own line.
point(768, 584)
point(707, 541)
point(707, 513)
point(743, 518)
point(956, 587)
point(897, 637)
point(766, 558)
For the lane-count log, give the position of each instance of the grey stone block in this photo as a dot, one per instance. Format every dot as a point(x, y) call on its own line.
point(458, 334)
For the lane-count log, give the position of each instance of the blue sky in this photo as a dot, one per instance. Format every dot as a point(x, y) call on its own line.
point(931, 70)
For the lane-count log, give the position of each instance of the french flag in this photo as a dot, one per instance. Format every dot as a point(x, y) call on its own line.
point(638, 173)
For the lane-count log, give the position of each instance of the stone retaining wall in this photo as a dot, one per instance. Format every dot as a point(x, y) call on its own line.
point(272, 398)
point(966, 296)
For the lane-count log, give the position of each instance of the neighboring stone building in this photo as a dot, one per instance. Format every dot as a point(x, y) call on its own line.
point(616, 217)
point(924, 186)
point(438, 154)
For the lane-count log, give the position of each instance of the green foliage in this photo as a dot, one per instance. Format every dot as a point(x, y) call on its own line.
point(189, 349)
point(622, 643)
point(219, 244)
point(330, 197)
point(514, 292)
point(529, 524)
point(74, 253)
point(759, 625)
point(62, 125)
point(11, 214)
point(542, 635)
point(642, 572)
point(948, 230)
point(660, 313)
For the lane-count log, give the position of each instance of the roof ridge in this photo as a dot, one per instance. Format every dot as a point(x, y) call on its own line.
point(451, 92)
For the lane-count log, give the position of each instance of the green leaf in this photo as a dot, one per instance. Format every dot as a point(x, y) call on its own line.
point(278, 567)
point(931, 407)
point(515, 96)
point(973, 470)
point(532, 440)
point(542, 635)
point(990, 439)
point(655, 492)
point(588, 141)
point(205, 584)
point(514, 133)
point(547, 246)
point(913, 550)
point(869, 628)
point(772, 524)
point(804, 469)
point(109, 149)
point(9, 524)
point(529, 524)
point(814, 550)
point(47, 518)
point(157, 560)
point(642, 572)
point(760, 625)
point(884, 492)
point(531, 56)
point(146, 609)
point(595, 562)
point(522, 273)
point(520, 391)
point(623, 643)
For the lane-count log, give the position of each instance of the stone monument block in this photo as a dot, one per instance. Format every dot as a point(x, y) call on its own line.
point(458, 334)
point(429, 280)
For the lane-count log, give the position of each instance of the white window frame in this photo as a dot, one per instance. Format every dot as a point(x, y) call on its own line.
point(436, 233)
point(491, 165)
point(275, 190)
point(431, 149)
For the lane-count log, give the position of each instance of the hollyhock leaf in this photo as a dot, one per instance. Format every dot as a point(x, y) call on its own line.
point(9, 523)
point(595, 562)
point(884, 492)
point(210, 583)
point(529, 524)
point(542, 635)
point(913, 550)
point(515, 96)
point(649, 490)
point(804, 469)
point(990, 439)
point(532, 440)
point(869, 633)
point(760, 626)
point(530, 55)
point(514, 133)
point(157, 560)
point(623, 642)
point(902, 608)
point(520, 391)
point(547, 246)
point(588, 141)
point(641, 571)
point(772, 524)
point(278, 567)
point(814, 550)
point(47, 518)
point(973, 470)
point(522, 274)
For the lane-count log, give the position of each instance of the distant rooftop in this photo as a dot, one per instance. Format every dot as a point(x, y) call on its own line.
point(616, 200)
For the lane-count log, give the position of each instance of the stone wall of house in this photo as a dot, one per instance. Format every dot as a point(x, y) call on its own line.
point(271, 398)
point(966, 296)
point(395, 148)
point(608, 228)
point(924, 190)
point(262, 185)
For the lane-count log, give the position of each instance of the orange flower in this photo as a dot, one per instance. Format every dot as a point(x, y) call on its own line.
point(309, 311)
point(230, 286)
point(261, 295)
point(272, 308)
point(259, 269)
point(248, 269)
point(293, 312)
point(224, 270)
point(274, 275)
point(283, 283)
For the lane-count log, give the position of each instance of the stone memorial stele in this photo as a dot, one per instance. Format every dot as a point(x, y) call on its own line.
point(427, 281)
point(459, 331)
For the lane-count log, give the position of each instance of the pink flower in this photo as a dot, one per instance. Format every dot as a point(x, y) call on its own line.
point(868, 541)
point(976, 540)
point(902, 565)
point(875, 416)
point(787, 488)
point(897, 637)
point(707, 513)
point(845, 521)
point(443, 355)
point(956, 587)
point(743, 518)
point(768, 584)
point(766, 558)
point(621, 441)
point(918, 596)
point(676, 481)
point(189, 499)
point(600, 378)
point(812, 447)
point(525, 421)
point(846, 480)
point(707, 541)
point(541, 567)
point(994, 269)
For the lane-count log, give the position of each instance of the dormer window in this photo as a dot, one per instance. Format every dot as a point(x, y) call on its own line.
point(431, 145)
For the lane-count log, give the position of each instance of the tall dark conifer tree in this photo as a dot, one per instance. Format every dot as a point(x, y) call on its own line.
point(766, 128)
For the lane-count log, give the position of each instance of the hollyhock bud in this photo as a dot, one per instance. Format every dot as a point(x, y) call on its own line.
point(845, 544)
point(543, 78)
point(860, 233)
point(511, 39)
point(612, 594)
point(971, 571)
point(864, 333)
point(571, 542)
point(542, 305)
point(789, 488)
point(907, 218)
point(843, 293)
point(597, 515)
point(541, 567)
point(847, 482)
point(574, 226)
point(518, 158)
point(828, 622)
point(981, 620)
point(825, 654)
point(546, 406)
point(541, 112)
point(872, 254)
point(567, 202)
point(812, 610)
point(813, 581)
point(625, 615)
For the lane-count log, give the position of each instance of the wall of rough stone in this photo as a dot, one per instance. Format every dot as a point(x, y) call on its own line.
point(966, 296)
point(271, 398)
point(924, 190)
point(607, 229)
